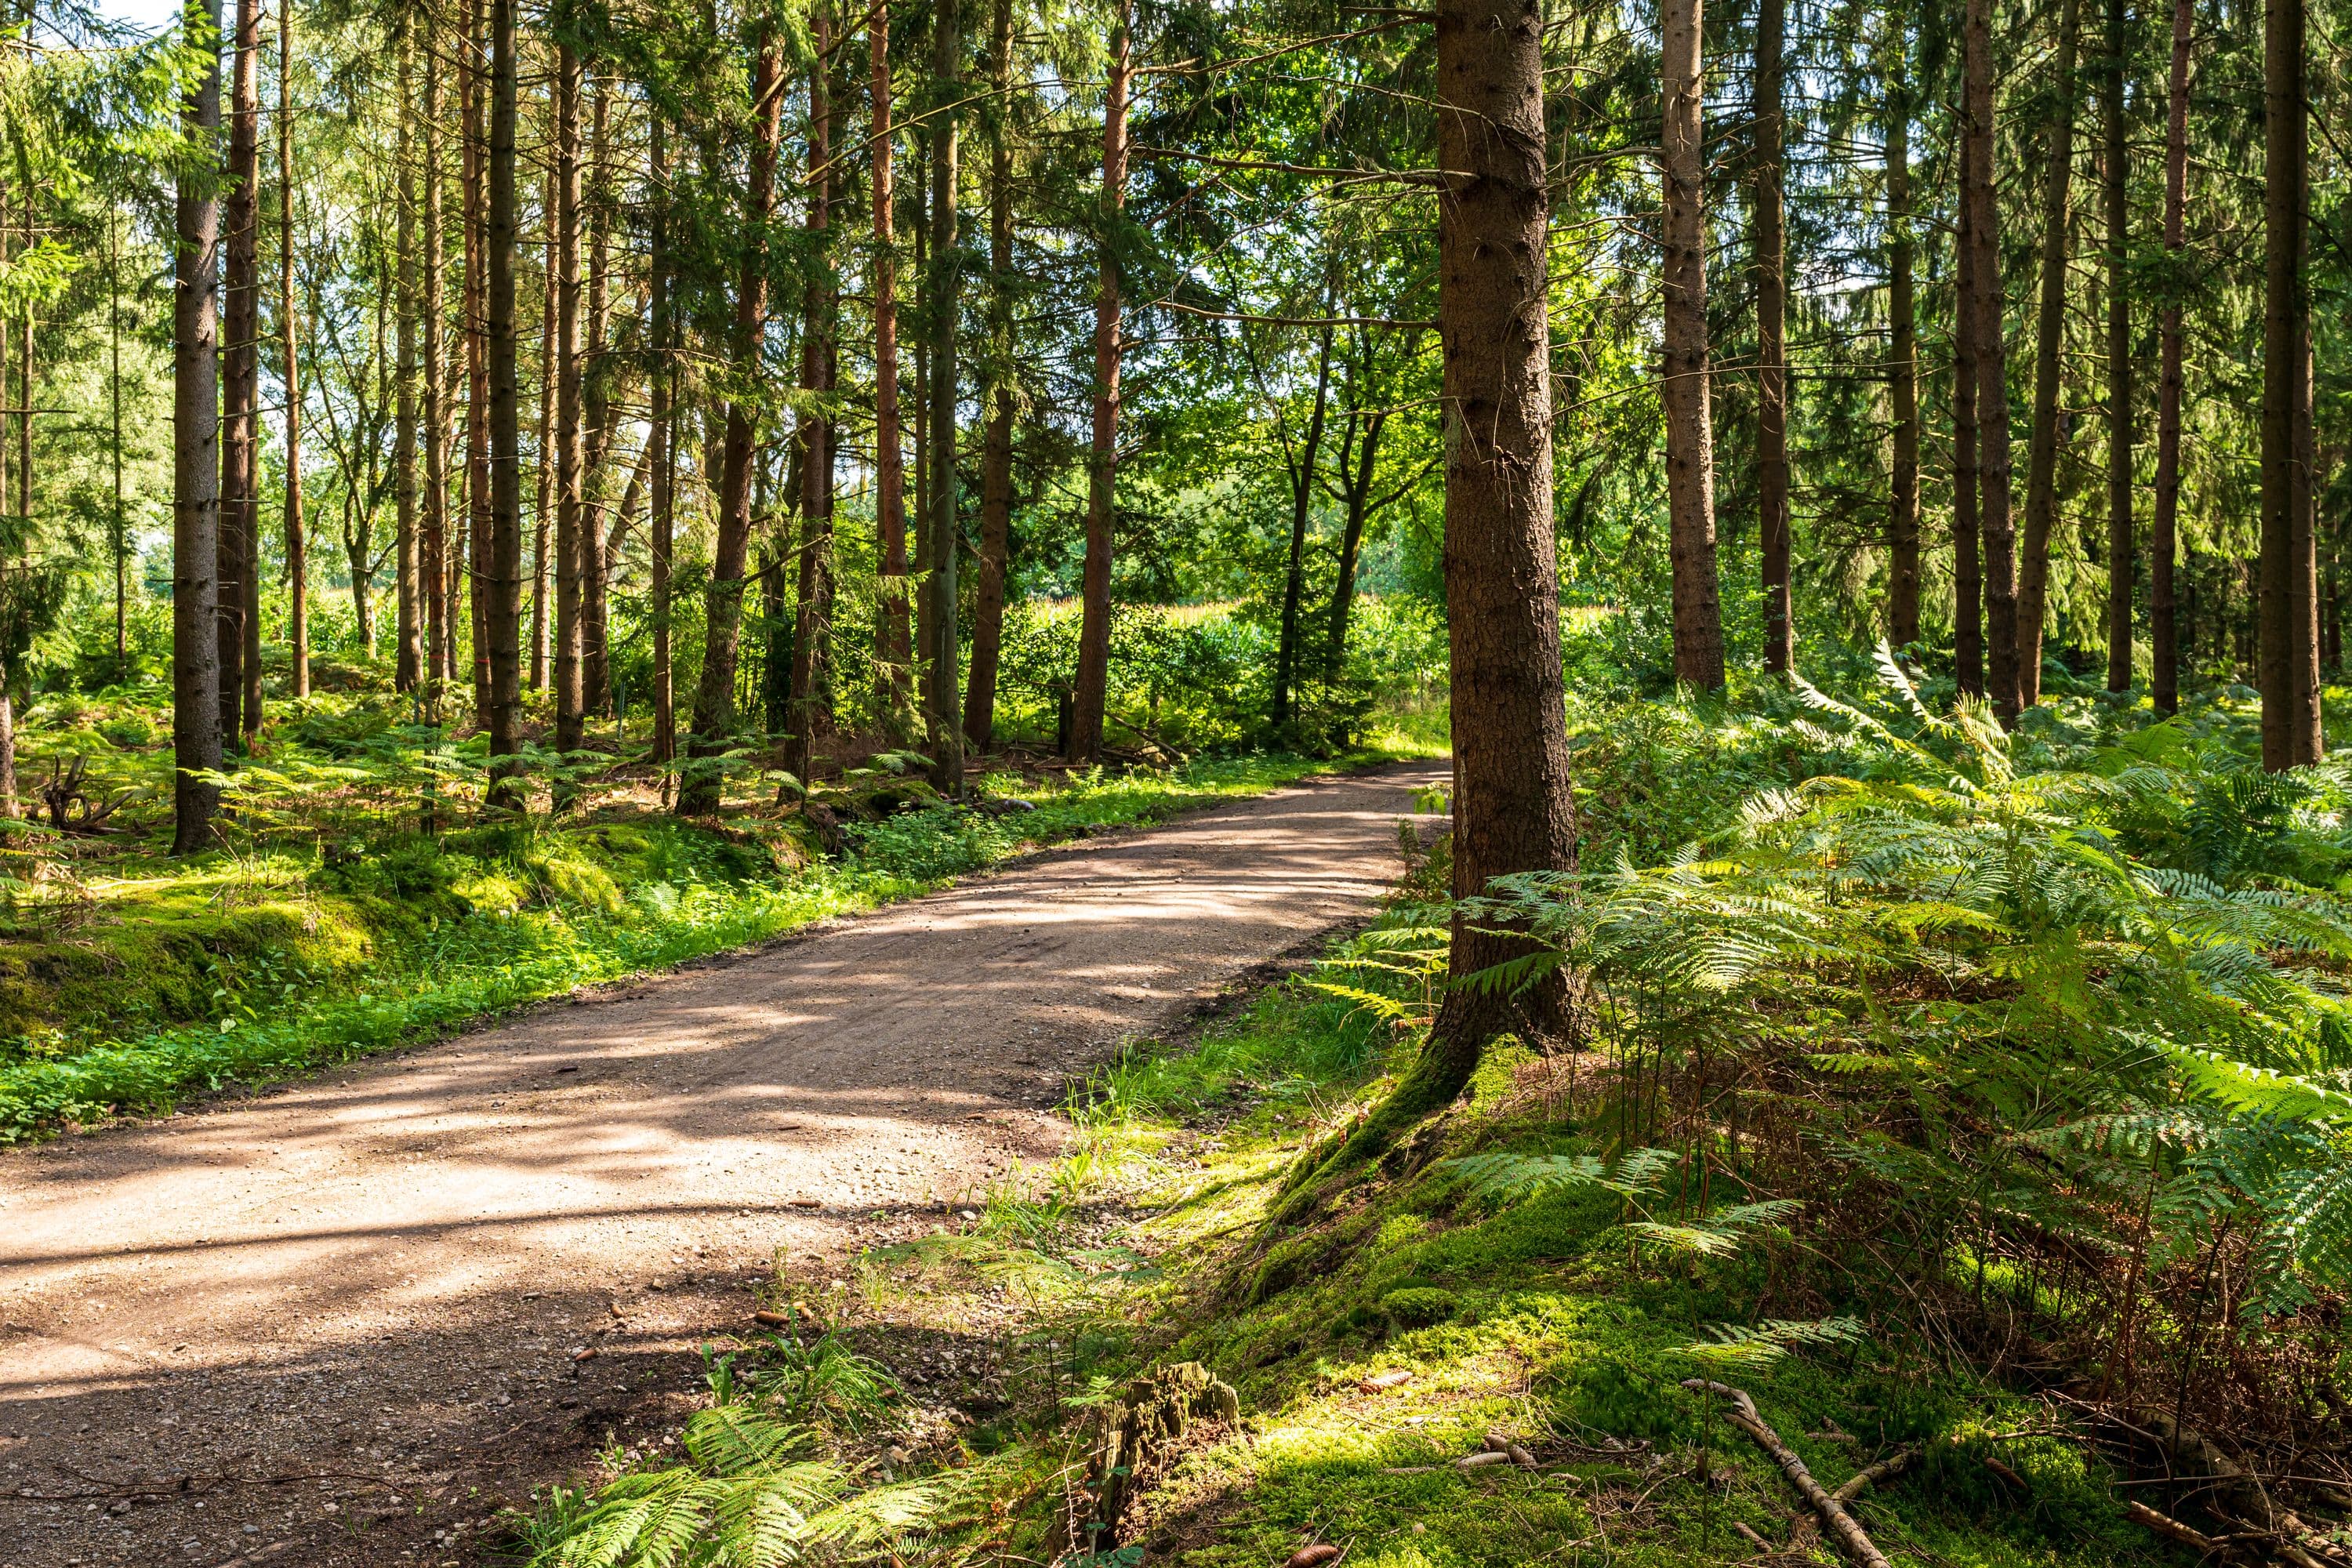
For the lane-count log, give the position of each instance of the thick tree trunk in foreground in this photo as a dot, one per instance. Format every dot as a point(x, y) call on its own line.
point(1967, 571)
point(996, 449)
point(1902, 371)
point(1091, 693)
point(1690, 430)
point(2288, 658)
point(2121, 563)
point(1993, 469)
point(2049, 337)
point(2164, 672)
point(892, 647)
point(714, 698)
point(498, 585)
point(1771, 241)
point(943, 709)
point(1512, 806)
point(240, 507)
point(196, 467)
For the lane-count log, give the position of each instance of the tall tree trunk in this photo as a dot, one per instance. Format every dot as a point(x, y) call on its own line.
point(499, 583)
point(407, 665)
point(1993, 469)
point(1690, 433)
point(195, 463)
point(596, 407)
point(1304, 463)
point(996, 448)
point(570, 454)
point(477, 364)
point(240, 362)
point(2121, 564)
point(2164, 672)
point(433, 549)
point(892, 649)
point(714, 698)
point(1901, 363)
point(1091, 692)
point(297, 563)
point(808, 696)
point(661, 385)
point(2049, 338)
point(1359, 469)
point(1513, 809)
point(1968, 570)
point(550, 365)
point(1771, 238)
point(945, 709)
point(2290, 696)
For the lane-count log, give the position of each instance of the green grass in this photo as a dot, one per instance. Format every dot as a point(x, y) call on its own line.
point(1541, 1317)
point(171, 979)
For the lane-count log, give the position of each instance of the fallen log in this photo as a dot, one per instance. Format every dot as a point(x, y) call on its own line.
point(1840, 1523)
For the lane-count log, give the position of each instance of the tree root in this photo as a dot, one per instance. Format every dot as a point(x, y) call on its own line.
point(1840, 1523)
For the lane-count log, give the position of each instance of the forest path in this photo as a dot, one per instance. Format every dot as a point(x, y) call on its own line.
point(337, 1322)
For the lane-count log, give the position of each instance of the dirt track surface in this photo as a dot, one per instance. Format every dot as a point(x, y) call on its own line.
point(337, 1322)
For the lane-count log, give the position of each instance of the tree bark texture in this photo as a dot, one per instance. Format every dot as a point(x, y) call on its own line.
point(2122, 563)
point(1091, 692)
point(498, 582)
point(1968, 570)
point(240, 354)
point(893, 650)
point(1902, 369)
point(944, 707)
point(2164, 670)
point(1771, 241)
point(1690, 430)
point(570, 452)
point(1995, 525)
point(195, 463)
point(2049, 338)
point(996, 448)
point(2288, 624)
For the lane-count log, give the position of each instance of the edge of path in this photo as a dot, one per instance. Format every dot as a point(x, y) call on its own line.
point(194, 1098)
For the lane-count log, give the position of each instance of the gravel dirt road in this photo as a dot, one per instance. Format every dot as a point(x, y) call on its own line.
point(342, 1321)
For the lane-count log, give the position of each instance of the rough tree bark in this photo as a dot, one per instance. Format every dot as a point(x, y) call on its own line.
point(596, 406)
point(714, 698)
point(1771, 242)
point(542, 516)
point(195, 458)
point(477, 359)
point(1967, 571)
point(1995, 526)
point(2164, 672)
point(2122, 567)
point(1902, 364)
point(2049, 337)
point(408, 660)
point(943, 710)
point(570, 712)
point(1091, 691)
point(498, 587)
point(892, 649)
point(2288, 626)
point(661, 387)
point(996, 448)
point(432, 550)
point(240, 351)
point(1304, 463)
point(1690, 431)
point(809, 697)
point(298, 555)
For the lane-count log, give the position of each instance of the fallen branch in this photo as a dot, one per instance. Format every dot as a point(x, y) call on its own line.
point(1884, 1471)
point(2172, 1528)
point(1841, 1524)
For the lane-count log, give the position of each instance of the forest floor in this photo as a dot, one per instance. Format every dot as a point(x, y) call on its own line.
point(350, 1318)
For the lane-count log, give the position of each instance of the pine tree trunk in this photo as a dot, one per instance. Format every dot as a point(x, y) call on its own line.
point(945, 708)
point(2164, 672)
point(1304, 465)
point(1902, 367)
point(549, 366)
point(1993, 469)
point(2288, 626)
point(893, 652)
point(2122, 565)
point(434, 548)
point(1366, 426)
point(2049, 338)
point(297, 559)
point(1771, 241)
point(195, 467)
point(809, 695)
point(714, 699)
point(1091, 691)
point(996, 448)
point(499, 587)
point(240, 362)
point(661, 381)
point(477, 360)
point(1967, 571)
point(1513, 809)
point(1690, 433)
point(570, 710)
point(596, 409)
point(409, 658)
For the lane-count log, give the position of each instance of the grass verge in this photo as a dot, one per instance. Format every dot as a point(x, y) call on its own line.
point(264, 963)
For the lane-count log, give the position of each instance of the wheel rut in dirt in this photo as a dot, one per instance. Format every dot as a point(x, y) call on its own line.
point(342, 1321)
